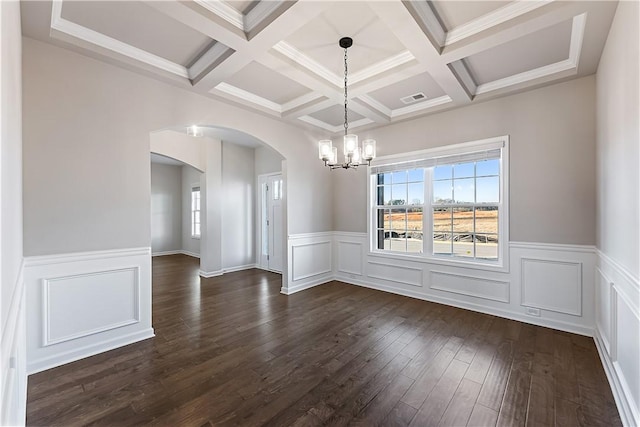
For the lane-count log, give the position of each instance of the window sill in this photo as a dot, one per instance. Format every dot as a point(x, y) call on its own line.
point(486, 266)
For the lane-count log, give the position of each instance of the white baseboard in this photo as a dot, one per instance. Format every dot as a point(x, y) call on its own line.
point(306, 285)
point(180, 252)
point(191, 254)
point(40, 365)
point(215, 273)
point(548, 323)
point(208, 274)
point(238, 268)
point(628, 413)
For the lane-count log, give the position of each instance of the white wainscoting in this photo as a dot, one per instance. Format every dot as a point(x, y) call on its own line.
point(617, 334)
point(556, 280)
point(310, 261)
point(13, 393)
point(86, 303)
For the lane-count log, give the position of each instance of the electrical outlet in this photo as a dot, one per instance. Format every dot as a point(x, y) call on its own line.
point(533, 311)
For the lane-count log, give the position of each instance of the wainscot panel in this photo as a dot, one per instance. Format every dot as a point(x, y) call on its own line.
point(86, 303)
point(310, 262)
point(617, 331)
point(555, 281)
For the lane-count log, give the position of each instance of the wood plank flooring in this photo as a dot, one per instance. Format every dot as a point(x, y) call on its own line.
point(232, 350)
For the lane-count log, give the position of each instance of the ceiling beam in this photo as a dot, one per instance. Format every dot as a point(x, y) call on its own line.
point(403, 25)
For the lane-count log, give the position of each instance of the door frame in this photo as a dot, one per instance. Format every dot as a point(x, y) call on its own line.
point(260, 179)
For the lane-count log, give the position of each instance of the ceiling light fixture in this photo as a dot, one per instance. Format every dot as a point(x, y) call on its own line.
point(354, 155)
point(194, 131)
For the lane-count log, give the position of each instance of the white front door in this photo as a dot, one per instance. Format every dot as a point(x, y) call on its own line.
point(271, 222)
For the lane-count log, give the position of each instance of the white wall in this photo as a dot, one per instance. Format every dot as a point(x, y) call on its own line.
point(238, 207)
point(166, 208)
point(618, 213)
point(13, 379)
point(552, 159)
point(190, 177)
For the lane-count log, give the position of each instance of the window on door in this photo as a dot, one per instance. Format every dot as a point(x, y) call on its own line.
point(195, 212)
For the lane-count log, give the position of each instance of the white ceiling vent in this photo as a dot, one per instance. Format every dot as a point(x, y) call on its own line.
point(413, 98)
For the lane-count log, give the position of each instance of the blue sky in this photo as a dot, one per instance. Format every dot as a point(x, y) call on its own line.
point(450, 182)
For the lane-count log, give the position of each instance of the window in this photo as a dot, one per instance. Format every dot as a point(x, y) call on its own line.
point(195, 212)
point(444, 204)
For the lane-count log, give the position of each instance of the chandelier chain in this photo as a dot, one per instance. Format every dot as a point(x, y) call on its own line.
point(346, 120)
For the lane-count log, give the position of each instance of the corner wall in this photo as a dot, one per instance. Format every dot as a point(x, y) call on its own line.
point(618, 212)
point(13, 378)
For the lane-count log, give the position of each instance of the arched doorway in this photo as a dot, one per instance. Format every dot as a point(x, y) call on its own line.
point(231, 163)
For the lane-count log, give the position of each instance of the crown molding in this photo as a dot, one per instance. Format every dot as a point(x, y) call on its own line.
point(569, 64)
point(429, 20)
point(463, 75)
point(315, 67)
point(300, 58)
point(58, 23)
point(497, 17)
point(259, 13)
point(331, 128)
point(526, 76)
point(209, 57)
point(301, 100)
point(382, 66)
point(577, 36)
point(224, 11)
point(375, 104)
point(247, 96)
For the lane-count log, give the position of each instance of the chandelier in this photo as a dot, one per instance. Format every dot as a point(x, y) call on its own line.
point(354, 155)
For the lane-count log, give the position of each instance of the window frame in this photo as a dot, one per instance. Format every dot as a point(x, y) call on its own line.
point(427, 256)
point(194, 188)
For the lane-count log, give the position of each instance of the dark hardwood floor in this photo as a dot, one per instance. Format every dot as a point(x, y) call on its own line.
point(233, 351)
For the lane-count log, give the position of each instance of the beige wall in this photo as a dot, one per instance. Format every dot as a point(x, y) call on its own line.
point(619, 141)
point(87, 126)
point(552, 159)
point(238, 206)
point(267, 161)
point(166, 207)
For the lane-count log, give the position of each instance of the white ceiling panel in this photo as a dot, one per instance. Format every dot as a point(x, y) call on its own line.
point(266, 83)
point(334, 115)
point(140, 26)
point(535, 50)
point(389, 96)
point(372, 40)
point(455, 13)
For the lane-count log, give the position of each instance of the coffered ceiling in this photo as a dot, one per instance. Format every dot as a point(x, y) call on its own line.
point(282, 58)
